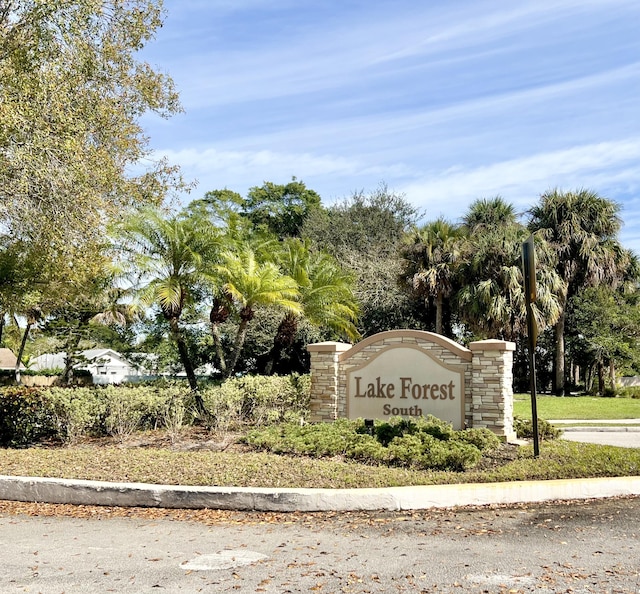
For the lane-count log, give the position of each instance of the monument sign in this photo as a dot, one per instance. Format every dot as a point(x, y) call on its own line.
point(412, 374)
point(404, 380)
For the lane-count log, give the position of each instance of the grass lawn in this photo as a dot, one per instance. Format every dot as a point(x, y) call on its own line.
point(559, 459)
point(577, 407)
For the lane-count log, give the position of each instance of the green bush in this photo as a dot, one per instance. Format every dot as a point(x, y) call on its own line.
point(26, 416)
point(524, 429)
point(128, 409)
point(72, 412)
point(628, 392)
point(484, 439)
point(51, 372)
point(387, 431)
point(319, 440)
point(424, 451)
point(77, 412)
point(258, 400)
point(400, 442)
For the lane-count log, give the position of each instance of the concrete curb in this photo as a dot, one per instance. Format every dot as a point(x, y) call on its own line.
point(79, 492)
point(599, 429)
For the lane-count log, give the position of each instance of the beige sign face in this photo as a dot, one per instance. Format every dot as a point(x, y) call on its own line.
point(403, 381)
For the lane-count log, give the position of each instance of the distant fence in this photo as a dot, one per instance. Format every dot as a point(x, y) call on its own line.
point(629, 381)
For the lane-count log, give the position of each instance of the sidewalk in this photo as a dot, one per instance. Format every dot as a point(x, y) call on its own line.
point(597, 424)
point(623, 433)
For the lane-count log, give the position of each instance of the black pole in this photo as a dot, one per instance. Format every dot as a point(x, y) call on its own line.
point(529, 270)
point(532, 383)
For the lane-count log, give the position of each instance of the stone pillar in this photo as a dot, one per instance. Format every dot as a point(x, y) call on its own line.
point(492, 386)
point(323, 405)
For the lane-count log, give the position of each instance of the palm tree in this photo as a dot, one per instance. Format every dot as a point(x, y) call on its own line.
point(430, 260)
point(491, 297)
point(326, 296)
point(252, 283)
point(167, 257)
point(489, 213)
point(582, 228)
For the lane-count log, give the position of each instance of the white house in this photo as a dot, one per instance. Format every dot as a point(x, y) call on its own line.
point(105, 365)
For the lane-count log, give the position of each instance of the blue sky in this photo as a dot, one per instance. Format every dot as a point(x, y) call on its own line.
point(445, 102)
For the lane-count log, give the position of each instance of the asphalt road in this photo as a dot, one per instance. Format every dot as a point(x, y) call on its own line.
point(623, 433)
point(577, 547)
point(620, 438)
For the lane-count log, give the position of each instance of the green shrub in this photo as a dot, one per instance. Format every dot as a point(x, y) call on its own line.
point(438, 428)
point(628, 392)
point(524, 429)
point(400, 442)
point(482, 438)
point(71, 412)
point(128, 409)
point(387, 431)
point(26, 416)
point(258, 400)
point(51, 372)
point(174, 413)
point(424, 451)
point(76, 411)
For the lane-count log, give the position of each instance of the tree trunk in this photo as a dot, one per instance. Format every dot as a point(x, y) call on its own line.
point(219, 314)
point(217, 344)
point(238, 344)
point(73, 341)
point(21, 351)
point(600, 378)
point(176, 333)
point(439, 308)
point(558, 384)
point(283, 339)
point(67, 374)
point(612, 374)
point(2, 321)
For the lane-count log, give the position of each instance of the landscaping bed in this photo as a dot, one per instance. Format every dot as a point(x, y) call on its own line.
point(198, 457)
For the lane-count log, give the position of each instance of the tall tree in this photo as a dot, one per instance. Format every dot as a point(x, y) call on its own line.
point(489, 214)
point(168, 259)
point(98, 303)
point(604, 330)
point(364, 233)
point(72, 94)
point(252, 283)
point(491, 298)
point(431, 256)
point(281, 209)
point(40, 281)
point(582, 227)
point(13, 279)
point(372, 223)
point(326, 296)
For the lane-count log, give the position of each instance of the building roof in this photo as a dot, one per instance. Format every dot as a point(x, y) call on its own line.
point(58, 360)
point(8, 360)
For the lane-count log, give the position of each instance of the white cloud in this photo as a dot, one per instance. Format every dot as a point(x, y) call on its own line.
point(596, 166)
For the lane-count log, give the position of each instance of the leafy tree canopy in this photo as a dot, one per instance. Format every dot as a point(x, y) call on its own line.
point(280, 209)
point(363, 223)
point(71, 97)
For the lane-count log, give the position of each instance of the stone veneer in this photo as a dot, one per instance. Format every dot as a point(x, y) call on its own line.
point(487, 366)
